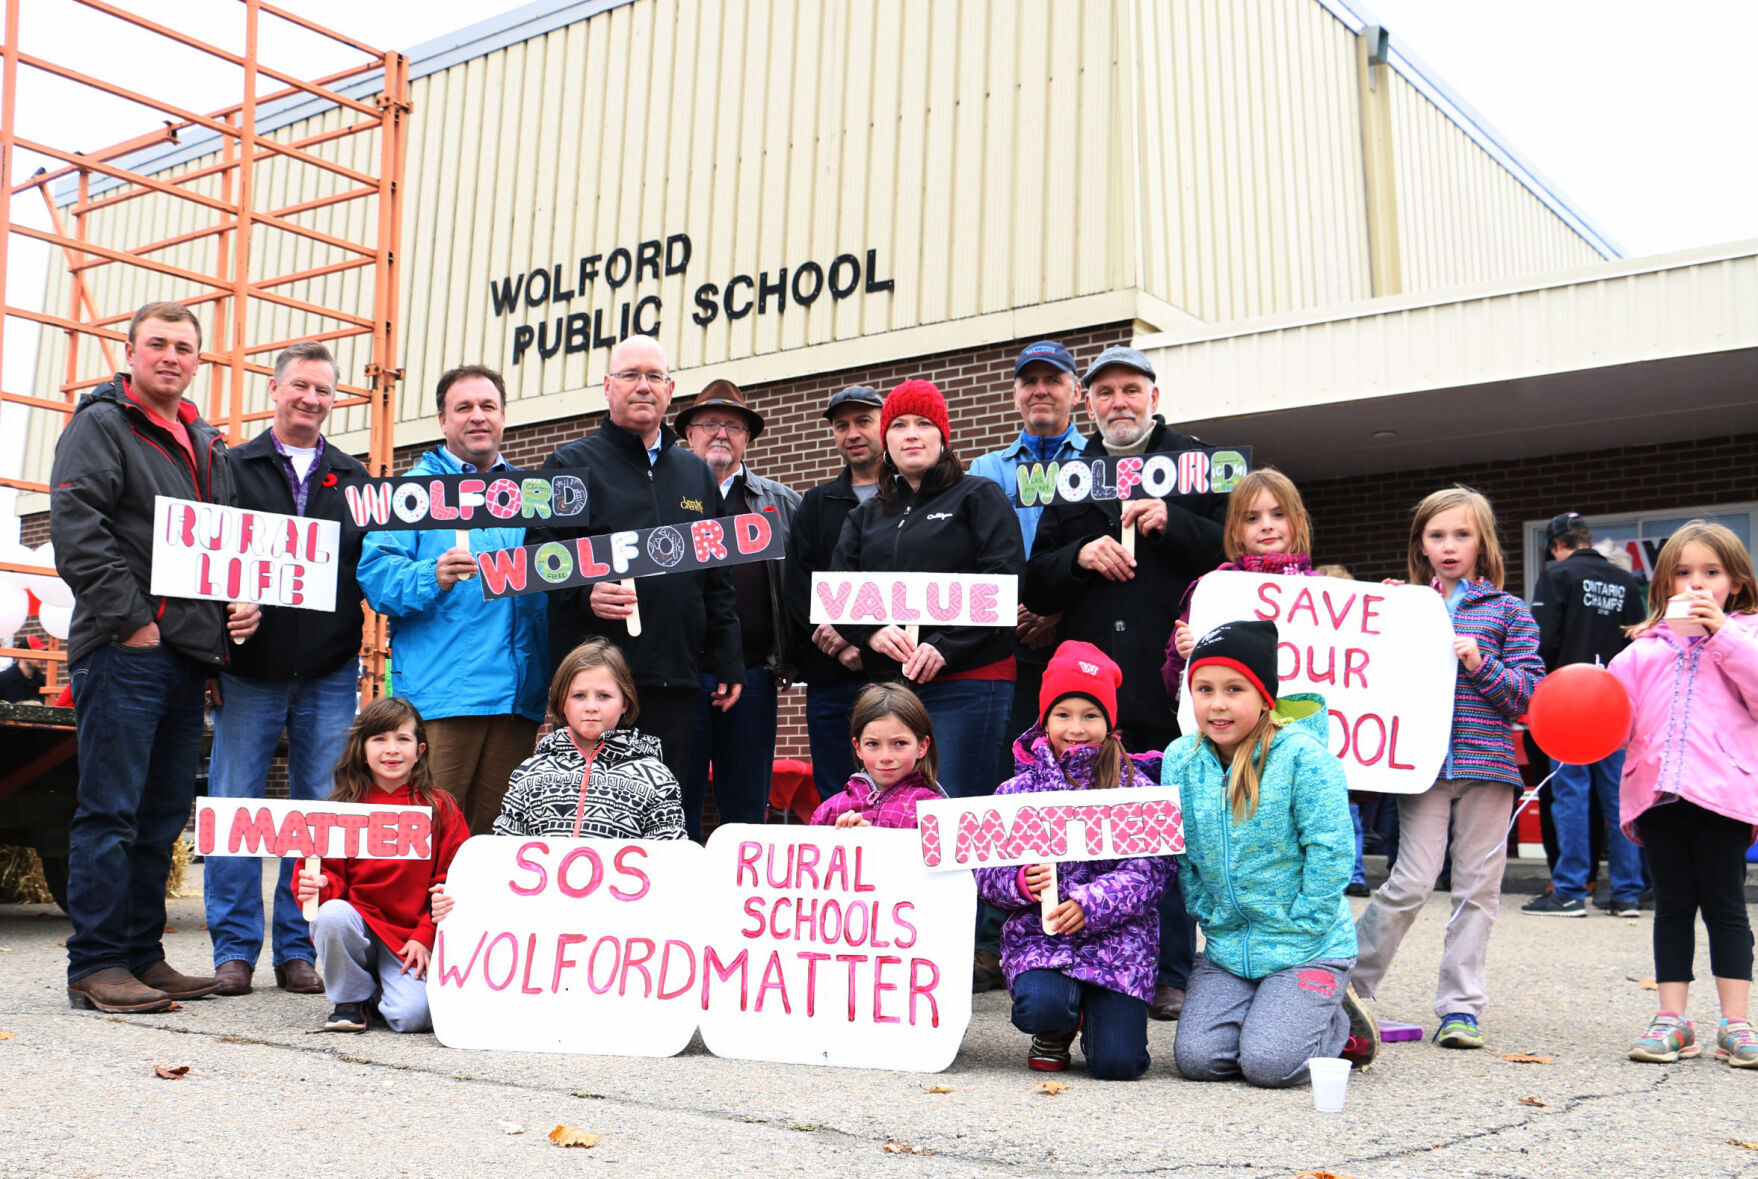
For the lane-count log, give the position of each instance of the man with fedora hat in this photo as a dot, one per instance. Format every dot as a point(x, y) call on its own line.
point(739, 743)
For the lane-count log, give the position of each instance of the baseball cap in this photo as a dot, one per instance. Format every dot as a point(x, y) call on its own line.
point(1048, 351)
point(1121, 355)
point(854, 395)
point(1561, 523)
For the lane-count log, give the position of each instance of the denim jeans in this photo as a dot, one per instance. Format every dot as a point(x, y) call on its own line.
point(1359, 875)
point(247, 727)
point(1177, 939)
point(970, 723)
point(139, 712)
point(827, 712)
point(1568, 807)
point(1114, 1037)
point(740, 743)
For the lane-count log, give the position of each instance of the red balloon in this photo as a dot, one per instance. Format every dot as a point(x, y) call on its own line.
point(1579, 714)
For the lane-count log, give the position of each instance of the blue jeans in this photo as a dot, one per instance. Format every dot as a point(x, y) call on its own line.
point(827, 712)
point(1114, 1038)
point(970, 723)
point(1570, 789)
point(139, 714)
point(1177, 939)
point(740, 743)
point(247, 726)
point(1359, 875)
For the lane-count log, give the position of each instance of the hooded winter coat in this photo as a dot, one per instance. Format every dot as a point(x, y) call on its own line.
point(895, 806)
point(1268, 889)
point(629, 795)
point(1120, 946)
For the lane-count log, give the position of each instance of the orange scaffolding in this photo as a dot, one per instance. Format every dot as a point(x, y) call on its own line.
point(232, 218)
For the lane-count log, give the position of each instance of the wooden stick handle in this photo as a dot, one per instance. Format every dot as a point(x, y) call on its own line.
point(913, 630)
point(1048, 901)
point(461, 540)
point(633, 621)
point(313, 866)
point(1129, 539)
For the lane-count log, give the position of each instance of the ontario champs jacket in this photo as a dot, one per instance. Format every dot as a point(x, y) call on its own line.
point(689, 621)
point(111, 461)
point(1268, 889)
point(1582, 605)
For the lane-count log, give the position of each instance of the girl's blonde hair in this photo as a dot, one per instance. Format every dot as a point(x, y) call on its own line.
point(1246, 773)
point(351, 777)
point(878, 701)
point(591, 654)
point(1245, 493)
point(1490, 566)
point(1727, 549)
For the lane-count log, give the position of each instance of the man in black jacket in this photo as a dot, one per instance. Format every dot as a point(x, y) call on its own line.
point(301, 673)
point(1582, 602)
point(828, 663)
point(138, 664)
point(1126, 606)
point(638, 477)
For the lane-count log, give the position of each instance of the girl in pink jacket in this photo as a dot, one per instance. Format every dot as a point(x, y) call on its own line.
point(1690, 787)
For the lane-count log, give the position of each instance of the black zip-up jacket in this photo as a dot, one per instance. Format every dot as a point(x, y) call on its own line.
point(1582, 604)
point(969, 527)
point(689, 621)
point(1128, 620)
point(110, 463)
point(811, 542)
point(293, 644)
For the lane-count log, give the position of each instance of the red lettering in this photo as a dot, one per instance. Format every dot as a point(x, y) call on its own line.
point(437, 508)
point(983, 604)
point(774, 912)
point(1303, 601)
point(633, 873)
point(587, 564)
point(837, 867)
point(774, 979)
point(502, 570)
point(631, 962)
point(1370, 612)
point(469, 495)
point(521, 861)
point(1329, 675)
point(806, 921)
point(812, 959)
point(1267, 593)
point(453, 977)
point(525, 987)
point(752, 533)
point(880, 986)
point(924, 990)
point(754, 910)
point(1336, 618)
point(898, 918)
point(562, 942)
point(749, 850)
point(868, 603)
point(592, 883)
point(928, 830)
point(616, 960)
point(488, 962)
point(833, 597)
point(806, 866)
point(1290, 649)
point(254, 833)
point(204, 831)
point(503, 499)
point(1361, 757)
point(860, 885)
point(352, 825)
point(1355, 664)
point(901, 610)
point(1392, 762)
point(709, 539)
point(713, 967)
point(665, 966)
point(853, 960)
point(381, 835)
point(413, 828)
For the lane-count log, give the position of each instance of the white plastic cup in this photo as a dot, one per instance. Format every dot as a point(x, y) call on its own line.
point(1330, 1080)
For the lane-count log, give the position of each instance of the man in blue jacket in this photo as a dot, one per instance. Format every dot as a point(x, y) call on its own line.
point(478, 671)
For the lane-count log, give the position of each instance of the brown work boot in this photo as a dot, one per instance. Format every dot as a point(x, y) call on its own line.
point(234, 978)
point(986, 974)
point(175, 984)
point(299, 977)
point(1168, 1003)
point(115, 990)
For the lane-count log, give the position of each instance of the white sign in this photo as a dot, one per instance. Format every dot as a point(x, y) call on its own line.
point(922, 599)
point(1381, 655)
point(269, 828)
point(1049, 826)
point(237, 555)
point(570, 945)
point(834, 946)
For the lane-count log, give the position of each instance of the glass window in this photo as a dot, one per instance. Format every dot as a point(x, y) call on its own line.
point(1632, 540)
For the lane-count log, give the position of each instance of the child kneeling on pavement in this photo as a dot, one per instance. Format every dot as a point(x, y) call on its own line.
point(1269, 848)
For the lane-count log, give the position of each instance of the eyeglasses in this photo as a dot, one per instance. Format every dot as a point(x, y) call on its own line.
point(858, 394)
point(634, 376)
point(730, 429)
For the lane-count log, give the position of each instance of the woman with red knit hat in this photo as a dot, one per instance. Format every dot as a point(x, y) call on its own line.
point(929, 517)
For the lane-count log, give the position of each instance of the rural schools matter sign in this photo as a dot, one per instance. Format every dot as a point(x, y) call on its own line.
point(805, 945)
point(1381, 655)
point(926, 599)
point(226, 554)
point(1049, 826)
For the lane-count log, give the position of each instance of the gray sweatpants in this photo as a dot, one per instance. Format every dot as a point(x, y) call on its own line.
point(1261, 1029)
point(356, 964)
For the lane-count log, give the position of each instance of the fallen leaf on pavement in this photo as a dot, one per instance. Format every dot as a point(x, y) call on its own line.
point(1646, 984)
point(1051, 1088)
point(1742, 1143)
point(1322, 1175)
point(1526, 1058)
point(937, 1089)
point(1532, 1101)
point(588, 1094)
point(44, 917)
point(172, 1074)
point(203, 927)
point(6, 1036)
point(61, 943)
point(898, 1146)
point(173, 1007)
point(170, 929)
point(507, 1127)
point(572, 1136)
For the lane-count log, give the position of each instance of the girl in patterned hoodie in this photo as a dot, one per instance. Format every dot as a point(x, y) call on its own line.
point(1268, 850)
point(1094, 975)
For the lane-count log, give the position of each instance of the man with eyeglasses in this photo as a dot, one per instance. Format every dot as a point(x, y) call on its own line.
point(739, 743)
point(639, 477)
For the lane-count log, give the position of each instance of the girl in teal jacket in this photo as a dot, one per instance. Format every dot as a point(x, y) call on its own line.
point(1269, 848)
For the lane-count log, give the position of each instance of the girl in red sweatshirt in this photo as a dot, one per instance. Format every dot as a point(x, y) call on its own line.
point(374, 929)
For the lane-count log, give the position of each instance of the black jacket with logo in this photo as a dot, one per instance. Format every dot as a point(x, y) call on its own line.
point(689, 621)
point(295, 644)
point(110, 464)
point(811, 542)
point(969, 527)
point(1128, 620)
point(1582, 604)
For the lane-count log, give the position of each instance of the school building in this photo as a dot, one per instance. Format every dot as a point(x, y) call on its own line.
point(1328, 255)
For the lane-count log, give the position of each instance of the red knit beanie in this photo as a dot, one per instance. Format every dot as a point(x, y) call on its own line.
point(921, 398)
point(1080, 669)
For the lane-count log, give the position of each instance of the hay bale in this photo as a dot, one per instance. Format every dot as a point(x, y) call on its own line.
point(22, 882)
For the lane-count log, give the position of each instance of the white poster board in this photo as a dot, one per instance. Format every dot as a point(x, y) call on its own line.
point(923, 599)
point(1049, 826)
point(834, 946)
point(227, 554)
point(570, 945)
point(270, 828)
point(1381, 655)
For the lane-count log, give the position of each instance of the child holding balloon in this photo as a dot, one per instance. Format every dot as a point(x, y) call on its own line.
point(1689, 793)
point(1453, 548)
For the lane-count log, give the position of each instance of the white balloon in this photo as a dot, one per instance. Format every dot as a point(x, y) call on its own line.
point(55, 619)
point(13, 608)
point(16, 554)
point(51, 591)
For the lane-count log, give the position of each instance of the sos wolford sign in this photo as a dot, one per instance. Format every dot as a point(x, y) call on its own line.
point(1381, 655)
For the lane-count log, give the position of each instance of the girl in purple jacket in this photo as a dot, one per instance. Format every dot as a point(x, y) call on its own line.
point(1095, 975)
point(894, 742)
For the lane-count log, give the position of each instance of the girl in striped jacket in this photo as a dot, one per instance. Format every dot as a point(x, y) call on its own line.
point(1453, 547)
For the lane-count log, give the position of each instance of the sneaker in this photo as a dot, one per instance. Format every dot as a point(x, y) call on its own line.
point(1552, 905)
point(347, 1017)
point(1050, 1053)
point(1353, 889)
point(1668, 1038)
point(1737, 1044)
point(1626, 908)
point(1459, 1030)
point(1363, 1043)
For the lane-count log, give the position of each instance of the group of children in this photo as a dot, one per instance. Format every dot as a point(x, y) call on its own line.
point(1270, 847)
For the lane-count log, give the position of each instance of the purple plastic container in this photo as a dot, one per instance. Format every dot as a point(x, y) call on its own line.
point(1393, 1033)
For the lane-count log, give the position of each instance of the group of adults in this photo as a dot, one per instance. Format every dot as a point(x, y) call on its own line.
point(718, 643)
